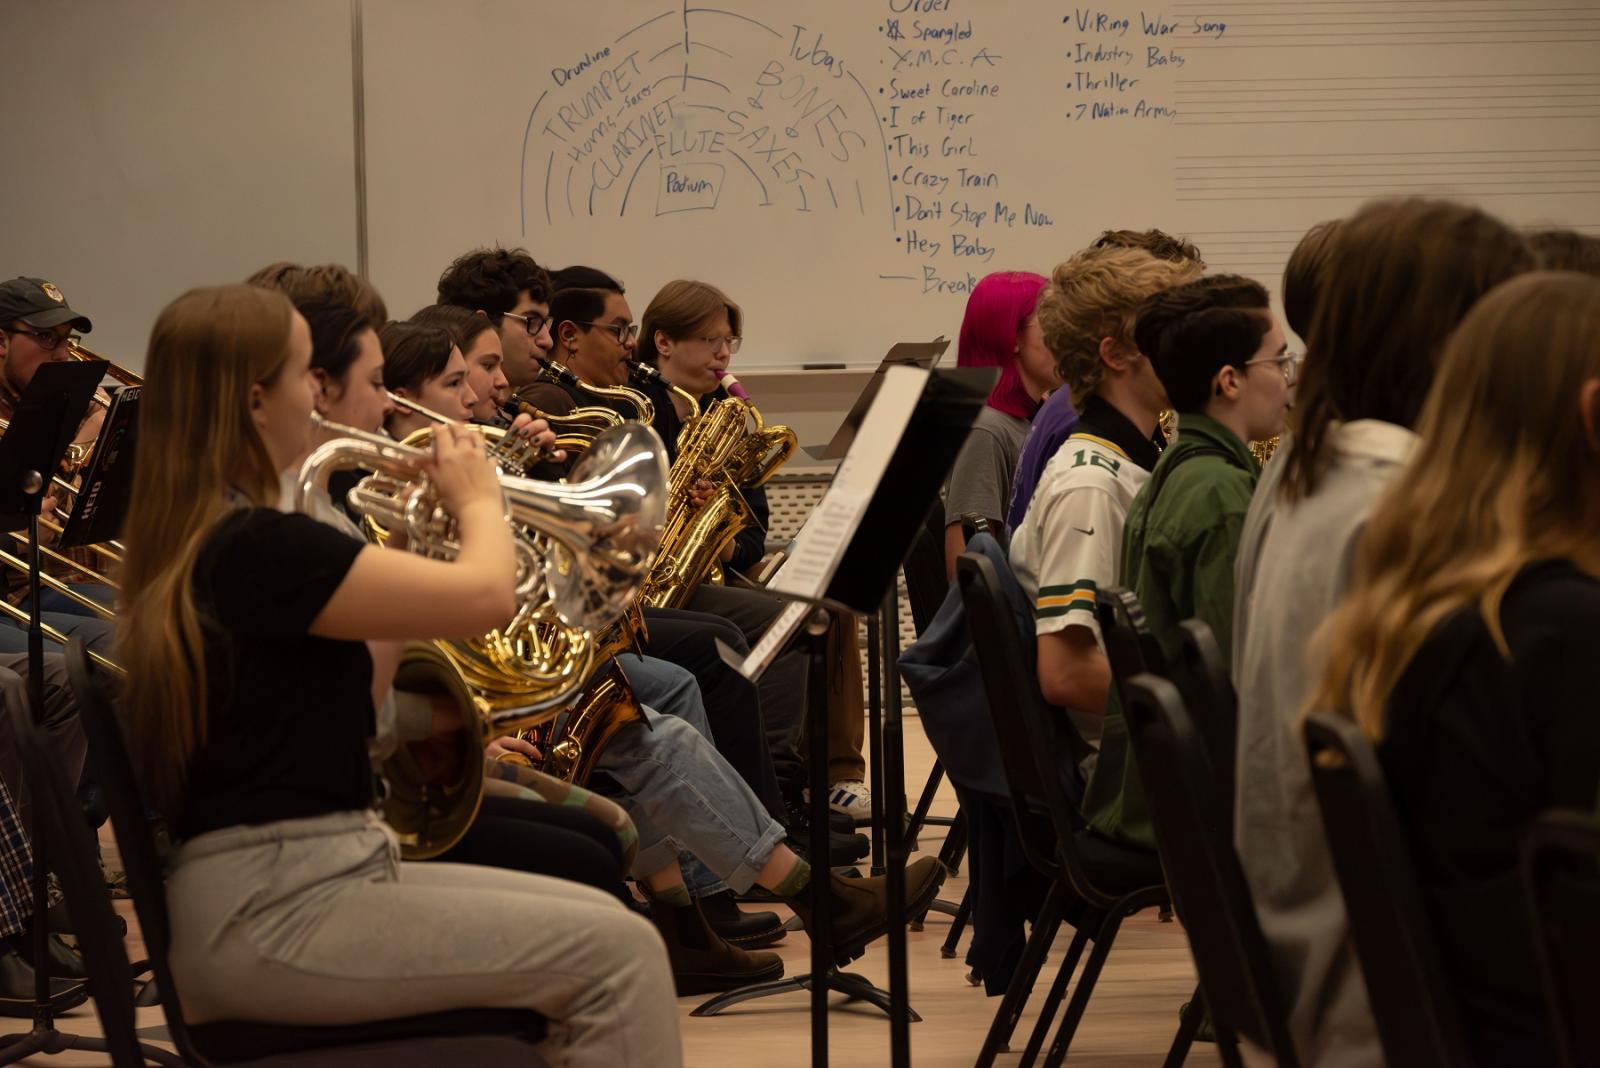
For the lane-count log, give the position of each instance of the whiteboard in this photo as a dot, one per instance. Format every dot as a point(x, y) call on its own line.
point(847, 170)
point(152, 147)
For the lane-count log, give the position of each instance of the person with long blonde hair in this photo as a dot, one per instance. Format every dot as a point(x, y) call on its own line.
point(1465, 646)
point(257, 643)
point(1400, 278)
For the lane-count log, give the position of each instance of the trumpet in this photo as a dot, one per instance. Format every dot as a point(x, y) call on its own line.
point(513, 452)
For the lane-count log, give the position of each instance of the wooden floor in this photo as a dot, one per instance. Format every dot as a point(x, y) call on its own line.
point(1130, 1020)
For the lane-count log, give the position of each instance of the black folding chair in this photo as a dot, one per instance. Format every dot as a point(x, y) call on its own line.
point(1208, 694)
point(469, 1036)
point(1560, 870)
point(1195, 835)
point(1412, 1004)
point(69, 851)
point(1041, 752)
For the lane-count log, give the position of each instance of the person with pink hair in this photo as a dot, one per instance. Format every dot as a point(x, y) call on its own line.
point(998, 330)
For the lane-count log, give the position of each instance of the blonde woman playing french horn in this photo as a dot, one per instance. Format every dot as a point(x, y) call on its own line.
point(248, 703)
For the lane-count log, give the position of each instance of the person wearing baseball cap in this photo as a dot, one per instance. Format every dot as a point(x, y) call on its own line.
point(35, 323)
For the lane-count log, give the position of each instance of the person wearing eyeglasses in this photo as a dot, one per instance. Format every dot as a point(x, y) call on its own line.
point(595, 340)
point(512, 289)
point(1221, 357)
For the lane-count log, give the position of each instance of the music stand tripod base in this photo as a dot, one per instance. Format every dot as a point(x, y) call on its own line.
point(854, 987)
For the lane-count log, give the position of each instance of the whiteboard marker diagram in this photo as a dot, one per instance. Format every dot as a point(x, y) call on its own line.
point(697, 108)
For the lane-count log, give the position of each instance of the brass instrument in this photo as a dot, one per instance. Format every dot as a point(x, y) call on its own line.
point(607, 518)
point(572, 745)
point(574, 431)
point(114, 371)
point(76, 458)
point(557, 372)
point(598, 536)
point(1261, 450)
point(509, 451)
point(730, 446)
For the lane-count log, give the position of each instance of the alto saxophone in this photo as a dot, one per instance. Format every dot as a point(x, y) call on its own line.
point(558, 373)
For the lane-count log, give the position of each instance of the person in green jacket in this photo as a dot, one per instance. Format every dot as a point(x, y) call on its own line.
point(1222, 357)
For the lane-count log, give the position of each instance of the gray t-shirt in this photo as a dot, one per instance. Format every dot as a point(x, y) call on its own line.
point(980, 481)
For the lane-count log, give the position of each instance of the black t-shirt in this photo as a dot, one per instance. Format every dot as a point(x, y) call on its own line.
point(289, 714)
point(1475, 748)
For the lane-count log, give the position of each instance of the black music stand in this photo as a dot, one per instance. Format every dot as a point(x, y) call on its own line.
point(857, 583)
point(47, 416)
point(103, 493)
point(923, 354)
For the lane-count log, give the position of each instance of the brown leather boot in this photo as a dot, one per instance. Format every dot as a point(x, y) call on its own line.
point(859, 910)
point(702, 962)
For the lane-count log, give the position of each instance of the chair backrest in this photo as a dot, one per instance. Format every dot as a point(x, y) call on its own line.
point(1010, 682)
point(1208, 693)
point(926, 584)
point(1412, 1004)
point(1561, 874)
point(113, 769)
point(1130, 645)
point(64, 842)
point(1195, 836)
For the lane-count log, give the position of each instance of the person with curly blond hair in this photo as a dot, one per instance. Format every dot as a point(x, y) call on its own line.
point(1070, 541)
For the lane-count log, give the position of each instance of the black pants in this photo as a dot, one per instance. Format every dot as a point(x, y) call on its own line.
point(63, 733)
point(783, 688)
point(543, 839)
point(738, 727)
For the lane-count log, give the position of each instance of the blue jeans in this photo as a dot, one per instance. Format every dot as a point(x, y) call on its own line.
point(673, 691)
point(684, 798)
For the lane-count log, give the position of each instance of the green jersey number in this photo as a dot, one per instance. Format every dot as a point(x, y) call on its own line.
point(1085, 458)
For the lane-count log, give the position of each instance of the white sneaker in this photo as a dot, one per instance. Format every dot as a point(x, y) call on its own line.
point(851, 797)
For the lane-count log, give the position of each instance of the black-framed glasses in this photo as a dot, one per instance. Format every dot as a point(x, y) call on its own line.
point(733, 341)
point(533, 322)
point(623, 332)
point(48, 340)
point(1288, 364)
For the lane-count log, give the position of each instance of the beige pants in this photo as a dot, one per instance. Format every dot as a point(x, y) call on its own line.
point(317, 921)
